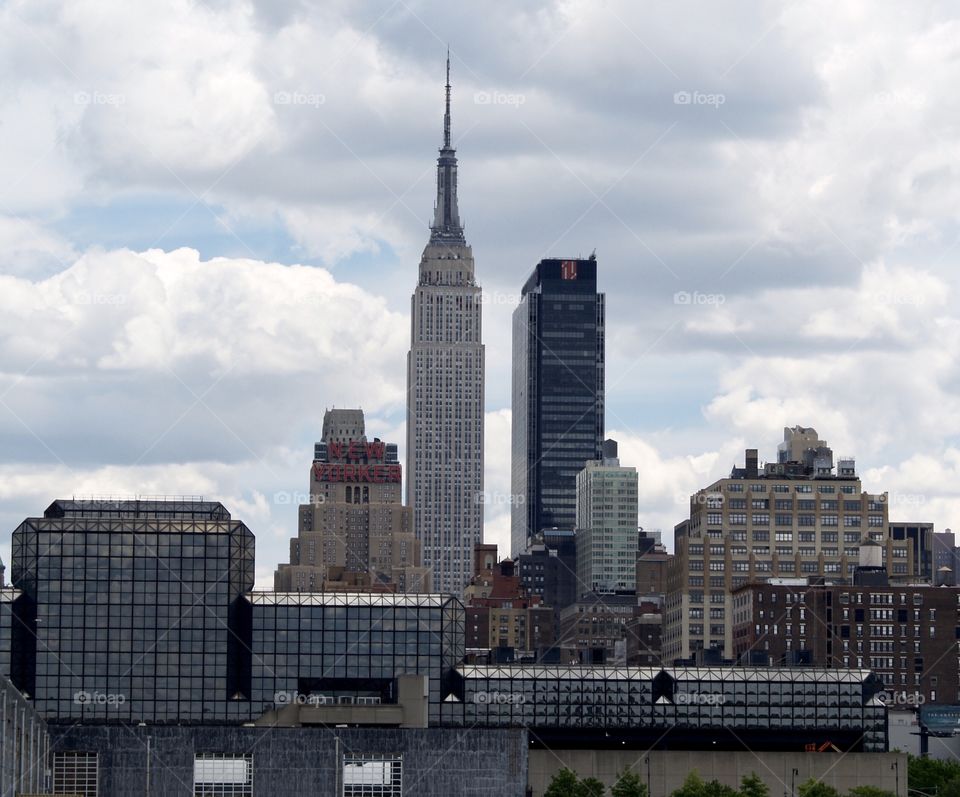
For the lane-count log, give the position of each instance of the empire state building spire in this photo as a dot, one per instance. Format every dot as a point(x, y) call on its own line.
point(446, 227)
point(445, 381)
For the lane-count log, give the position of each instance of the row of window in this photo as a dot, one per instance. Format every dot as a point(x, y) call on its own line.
point(231, 774)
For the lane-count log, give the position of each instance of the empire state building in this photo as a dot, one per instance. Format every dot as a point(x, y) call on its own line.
point(445, 390)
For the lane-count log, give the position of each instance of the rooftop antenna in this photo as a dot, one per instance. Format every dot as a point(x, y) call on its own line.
point(446, 116)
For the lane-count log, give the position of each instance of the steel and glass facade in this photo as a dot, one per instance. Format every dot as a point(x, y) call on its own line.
point(352, 645)
point(128, 612)
point(137, 611)
point(558, 394)
point(729, 707)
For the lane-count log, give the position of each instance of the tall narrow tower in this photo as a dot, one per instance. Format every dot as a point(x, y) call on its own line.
point(445, 390)
point(558, 395)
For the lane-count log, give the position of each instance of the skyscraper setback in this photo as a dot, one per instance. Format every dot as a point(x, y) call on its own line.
point(445, 385)
point(558, 394)
point(354, 533)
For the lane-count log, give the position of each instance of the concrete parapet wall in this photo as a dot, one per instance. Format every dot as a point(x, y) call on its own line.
point(668, 769)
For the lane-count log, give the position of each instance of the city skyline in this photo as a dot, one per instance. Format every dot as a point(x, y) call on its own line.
point(811, 278)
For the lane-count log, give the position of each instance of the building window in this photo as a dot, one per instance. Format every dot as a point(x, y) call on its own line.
point(222, 775)
point(372, 775)
point(75, 773)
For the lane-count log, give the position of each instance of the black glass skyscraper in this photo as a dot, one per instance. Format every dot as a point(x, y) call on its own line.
point(558, 394)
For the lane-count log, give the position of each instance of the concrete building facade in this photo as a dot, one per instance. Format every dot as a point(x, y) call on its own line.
point(24, 745)
point(445, 384)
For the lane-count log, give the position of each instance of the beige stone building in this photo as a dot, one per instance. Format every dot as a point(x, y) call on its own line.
point(445, 390)
point(797, 517)
point(354, 531)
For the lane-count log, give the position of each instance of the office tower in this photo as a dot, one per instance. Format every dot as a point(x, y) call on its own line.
point(791, 518)
point(354, 533)
point(134, 611)
point(445, 390)
point(558, 395)
point(607, 535)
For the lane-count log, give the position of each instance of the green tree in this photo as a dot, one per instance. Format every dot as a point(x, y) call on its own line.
point(715, 788)
point(693, 786)
point(950, 789)
point(929, 775)
point(814, 788)
point(752, 785)
point(628, 785)
point(564, 784)
point(869, 791)
point(590, 787)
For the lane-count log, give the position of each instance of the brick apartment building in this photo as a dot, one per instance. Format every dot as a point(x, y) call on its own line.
point(907, 634)
point(501, 612)
point(798, 517)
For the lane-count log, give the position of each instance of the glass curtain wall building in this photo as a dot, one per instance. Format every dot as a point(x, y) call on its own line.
point(136, 611)
point(352, 646)
point(558, 394)
point(713, 708)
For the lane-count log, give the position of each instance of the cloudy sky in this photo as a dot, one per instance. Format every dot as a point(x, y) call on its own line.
point(211, 216)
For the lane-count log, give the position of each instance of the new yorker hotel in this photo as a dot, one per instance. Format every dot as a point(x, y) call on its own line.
point(798, 516)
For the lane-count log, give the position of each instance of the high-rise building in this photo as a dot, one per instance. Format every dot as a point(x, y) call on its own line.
point(607, 533)
point(354, 533)
point(558, 394)
point(445, 369)
point(793, 518)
